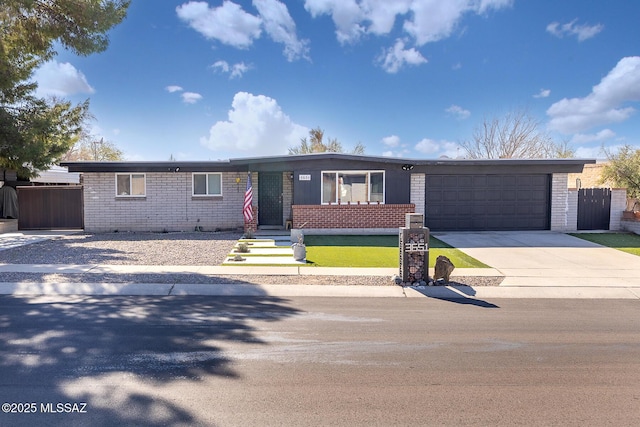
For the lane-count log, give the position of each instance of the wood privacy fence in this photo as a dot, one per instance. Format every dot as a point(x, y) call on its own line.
point(594, 208)
point(50, 207)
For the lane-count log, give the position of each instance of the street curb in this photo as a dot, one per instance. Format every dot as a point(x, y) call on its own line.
point(481, 294)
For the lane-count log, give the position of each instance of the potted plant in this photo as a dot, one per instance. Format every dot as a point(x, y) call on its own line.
point(299, 250)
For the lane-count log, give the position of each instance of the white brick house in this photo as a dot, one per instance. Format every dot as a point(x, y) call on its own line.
point(328, 191)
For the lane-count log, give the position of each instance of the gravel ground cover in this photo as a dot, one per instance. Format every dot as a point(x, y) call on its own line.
point(192, 248)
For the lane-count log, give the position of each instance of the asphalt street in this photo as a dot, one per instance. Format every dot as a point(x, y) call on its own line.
point(267, 361)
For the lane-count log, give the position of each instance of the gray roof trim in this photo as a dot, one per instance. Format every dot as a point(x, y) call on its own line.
point(244, 164)
point(176, 166)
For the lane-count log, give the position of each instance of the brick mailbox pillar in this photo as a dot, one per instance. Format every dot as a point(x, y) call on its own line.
point(414, 250)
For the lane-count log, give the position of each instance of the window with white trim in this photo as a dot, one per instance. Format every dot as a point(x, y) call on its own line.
point(207, 184)
point(130, 185)
point(352, 187)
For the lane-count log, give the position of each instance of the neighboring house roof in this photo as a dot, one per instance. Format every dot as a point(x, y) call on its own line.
point(337, 161)
point(57, 175)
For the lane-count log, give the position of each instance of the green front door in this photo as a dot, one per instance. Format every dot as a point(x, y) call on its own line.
point(270, 198)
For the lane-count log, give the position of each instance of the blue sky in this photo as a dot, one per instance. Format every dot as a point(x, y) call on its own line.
point(208, 80)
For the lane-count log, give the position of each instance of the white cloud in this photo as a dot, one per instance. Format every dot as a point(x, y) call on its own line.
point(228, 24)
point(582, 32)
point(187, 97)
point(347, 16)
point(191, 97)
point(425, 20)
point(257, 125)
point(603, 135)
point(440, 148)
point(394, 153)
point(394, 58)
point(231, 25)
point(605, 103)
point(234, 71)
point(391, 140)
point(60, 79)
point(281, 28)
point(544, 93)
point(592, 152)
point(459, 112)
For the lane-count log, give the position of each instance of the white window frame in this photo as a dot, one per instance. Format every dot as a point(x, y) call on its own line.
point(206, 174)
point(337, 173)
point(131, 175)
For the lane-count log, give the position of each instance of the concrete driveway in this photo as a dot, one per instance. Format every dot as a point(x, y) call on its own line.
point(546, 258)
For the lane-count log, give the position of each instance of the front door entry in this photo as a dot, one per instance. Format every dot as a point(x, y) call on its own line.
point(270, 198)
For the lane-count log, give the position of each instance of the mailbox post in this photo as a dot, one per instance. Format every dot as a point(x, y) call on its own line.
point(414, 249)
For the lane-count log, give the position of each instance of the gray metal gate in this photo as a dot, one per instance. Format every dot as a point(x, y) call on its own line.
point(594, 208)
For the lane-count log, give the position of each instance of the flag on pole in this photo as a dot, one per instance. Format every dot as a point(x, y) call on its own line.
point(247, 210)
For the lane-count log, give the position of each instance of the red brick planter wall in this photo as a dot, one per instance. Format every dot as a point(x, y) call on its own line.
point(351, 216)
point(252, 226)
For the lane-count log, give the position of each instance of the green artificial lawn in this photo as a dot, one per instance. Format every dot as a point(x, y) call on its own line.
point(625, 242)
point(375, 251)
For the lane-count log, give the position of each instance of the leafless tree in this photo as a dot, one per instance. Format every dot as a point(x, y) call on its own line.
point(315, 144)
point(516, 135)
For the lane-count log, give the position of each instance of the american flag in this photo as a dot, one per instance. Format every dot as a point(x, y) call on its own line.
point(247, 210)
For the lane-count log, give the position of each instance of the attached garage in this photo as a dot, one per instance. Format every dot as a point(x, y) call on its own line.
point(325, 192)
point(488, 202)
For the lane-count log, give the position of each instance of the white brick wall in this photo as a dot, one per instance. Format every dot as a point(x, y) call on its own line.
point(572, 209)
point(560, 204)
point(168, 204)
point(618, 204)
point(287, 196)
point(418, 190)
point(631, 226)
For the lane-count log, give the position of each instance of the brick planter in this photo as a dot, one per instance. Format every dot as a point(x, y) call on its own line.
point(351, 215)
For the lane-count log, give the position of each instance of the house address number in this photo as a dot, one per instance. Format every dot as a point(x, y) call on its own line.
point(415, 247)
point(303, 177)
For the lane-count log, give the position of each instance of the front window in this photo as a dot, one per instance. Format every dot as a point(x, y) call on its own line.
point(353, 187)
point(207, 184)
point(130, 185)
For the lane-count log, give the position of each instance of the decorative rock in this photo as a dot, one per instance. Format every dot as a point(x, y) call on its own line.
point(443, 269)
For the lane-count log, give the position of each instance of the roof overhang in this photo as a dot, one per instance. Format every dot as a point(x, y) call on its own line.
point(340, 160)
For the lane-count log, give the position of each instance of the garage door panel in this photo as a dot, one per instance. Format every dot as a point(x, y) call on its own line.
point(465, 196)
point(479, 181)
point(465, 181)
point(509, 195)
point(480, 195)
point(488, 202)
point(450, 181)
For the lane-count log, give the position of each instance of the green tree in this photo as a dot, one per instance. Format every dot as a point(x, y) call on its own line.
point(623, 170)
point(35, 132)
point(315, 144)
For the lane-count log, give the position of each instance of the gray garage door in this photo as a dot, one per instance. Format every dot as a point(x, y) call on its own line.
point(487, 202)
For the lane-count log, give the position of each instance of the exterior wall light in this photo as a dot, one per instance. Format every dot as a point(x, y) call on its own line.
point(407, 167)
